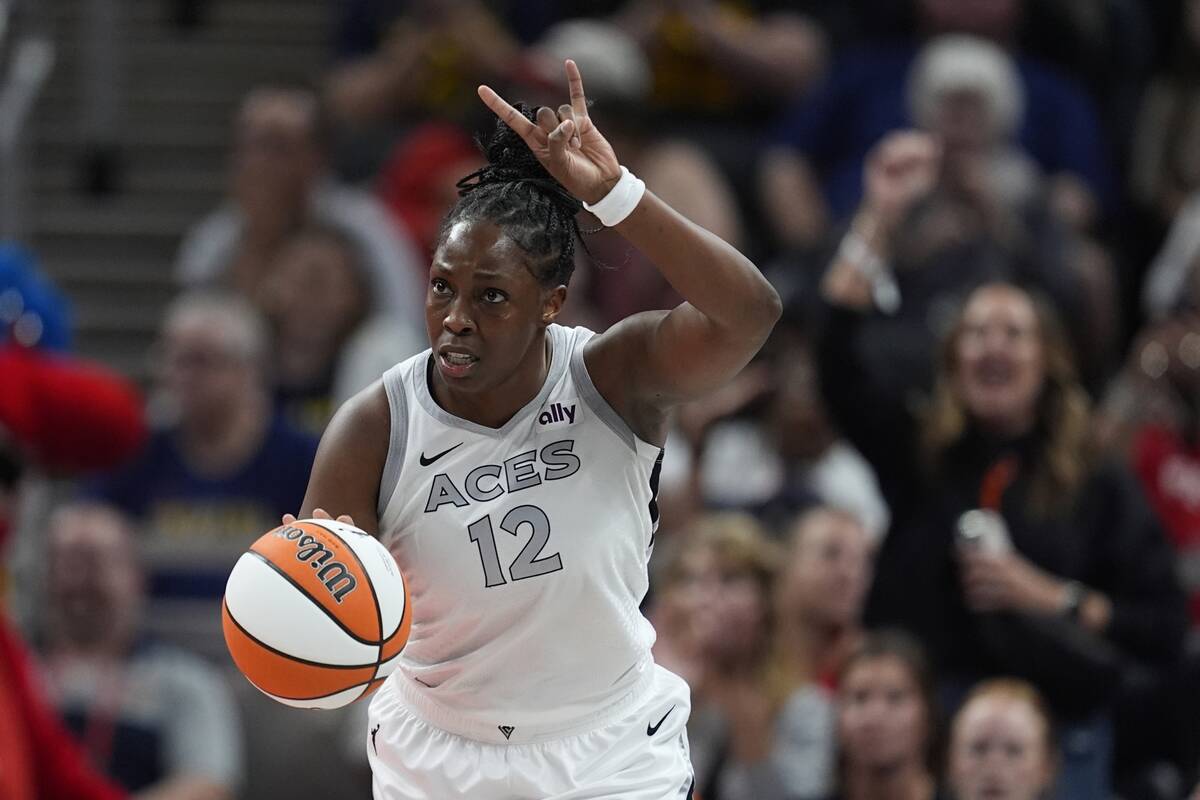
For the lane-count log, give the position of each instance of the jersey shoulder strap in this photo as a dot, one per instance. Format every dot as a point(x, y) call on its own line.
point(395, 382)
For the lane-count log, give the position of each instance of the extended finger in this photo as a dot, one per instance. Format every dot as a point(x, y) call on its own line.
point(288, 519)
point(565, 112)
point(547, 120)
point(320, 513)
point(575, 88)
point(513, 118)
point(346, 518)
point(559, 138)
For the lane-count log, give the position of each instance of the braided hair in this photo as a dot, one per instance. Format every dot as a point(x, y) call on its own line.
point(515, 192)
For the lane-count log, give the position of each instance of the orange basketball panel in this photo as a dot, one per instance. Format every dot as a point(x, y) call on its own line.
point(328, 571)
point(372, 686)
point(283, 676)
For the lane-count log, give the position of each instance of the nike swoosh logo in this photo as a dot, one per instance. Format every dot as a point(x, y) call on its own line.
point(425, 462)
point(653, 729)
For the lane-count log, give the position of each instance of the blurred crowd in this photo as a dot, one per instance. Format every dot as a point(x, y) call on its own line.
point(941, 539)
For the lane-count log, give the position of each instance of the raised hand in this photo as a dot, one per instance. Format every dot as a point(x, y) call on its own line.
point(566, 141)
point(899, 171)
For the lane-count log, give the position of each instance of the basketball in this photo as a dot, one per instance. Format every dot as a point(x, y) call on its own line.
point(316, 613)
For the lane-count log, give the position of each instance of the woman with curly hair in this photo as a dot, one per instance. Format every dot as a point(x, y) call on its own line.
point(1060, 574)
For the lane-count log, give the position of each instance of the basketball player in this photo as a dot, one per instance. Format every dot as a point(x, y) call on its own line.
point(512, 470)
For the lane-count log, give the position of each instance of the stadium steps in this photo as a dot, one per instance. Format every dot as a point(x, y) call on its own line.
point(113, 255)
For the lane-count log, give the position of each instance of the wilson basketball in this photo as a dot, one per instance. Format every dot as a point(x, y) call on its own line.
point(315, 614)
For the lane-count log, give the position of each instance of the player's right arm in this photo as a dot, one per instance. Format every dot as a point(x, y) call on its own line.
point(349, 465)
point(650, 362)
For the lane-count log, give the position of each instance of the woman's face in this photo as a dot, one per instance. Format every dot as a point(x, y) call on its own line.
point(828, 571)
point(317, 267)
point(725, 607)
point(881, 717)
point(999, 359)
point(999, 751)
point(483, 307)
point(963, 120)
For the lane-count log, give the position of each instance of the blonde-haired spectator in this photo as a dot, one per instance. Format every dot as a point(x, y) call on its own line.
point(756, 732)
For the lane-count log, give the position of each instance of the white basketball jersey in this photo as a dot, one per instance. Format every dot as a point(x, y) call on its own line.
point(524, 548)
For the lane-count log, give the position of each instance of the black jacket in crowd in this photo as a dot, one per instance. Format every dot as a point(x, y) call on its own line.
point(1106, 537)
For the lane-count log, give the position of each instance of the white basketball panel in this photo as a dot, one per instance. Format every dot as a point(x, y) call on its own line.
point(280, 616)
point(343, 698)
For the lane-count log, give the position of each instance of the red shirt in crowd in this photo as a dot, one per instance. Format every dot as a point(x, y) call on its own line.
point(1169, 469)
point(38, 758)
point(65, 416)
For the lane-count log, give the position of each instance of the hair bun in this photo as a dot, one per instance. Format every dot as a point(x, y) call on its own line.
point(510, 161)
point(505, 149)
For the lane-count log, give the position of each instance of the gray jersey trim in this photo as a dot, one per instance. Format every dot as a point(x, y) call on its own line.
point(595, 401)
point(393, 384)
point(560, 343)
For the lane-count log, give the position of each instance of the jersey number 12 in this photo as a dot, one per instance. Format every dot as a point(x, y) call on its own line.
point(528, 563)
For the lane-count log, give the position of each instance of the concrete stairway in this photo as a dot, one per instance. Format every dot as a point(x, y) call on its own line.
point(113, 256)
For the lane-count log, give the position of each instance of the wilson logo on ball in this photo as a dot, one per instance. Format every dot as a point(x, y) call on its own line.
point(310, 551)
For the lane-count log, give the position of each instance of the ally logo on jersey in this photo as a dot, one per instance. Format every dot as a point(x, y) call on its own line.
point(557, 414)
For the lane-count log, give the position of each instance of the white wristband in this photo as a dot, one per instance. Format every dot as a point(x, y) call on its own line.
point(620, 201)
point(884, 291)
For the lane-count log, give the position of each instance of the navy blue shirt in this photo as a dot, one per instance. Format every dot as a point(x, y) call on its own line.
point(208, 520)
point(864, 97)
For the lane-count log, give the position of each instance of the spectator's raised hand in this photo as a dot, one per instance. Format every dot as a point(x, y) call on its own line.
point(900, 170)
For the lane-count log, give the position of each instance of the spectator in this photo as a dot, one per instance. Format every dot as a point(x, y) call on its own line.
point(967, 92)
point(887, 722)
point(1165, 168)
point(315, 344)
point(154, 718)
point(419, 182)
point(432, 56)
point(824, 140)
point(913, 253)
point(60, 415)
point(1083, 578)
point(1172, 283)
point(752, 733)
point(1151, 415)
point(279, 182)
point(717, 59)
point(219, 474)
point(1002, 744)
point(777, 453)
point(821, 592)
point(981, 216)
point(1159, 390)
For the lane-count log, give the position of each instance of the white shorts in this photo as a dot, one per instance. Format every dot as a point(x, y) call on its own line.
point(641, 754)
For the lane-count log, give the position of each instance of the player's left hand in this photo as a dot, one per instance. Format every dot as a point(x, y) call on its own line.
point(566, 141)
